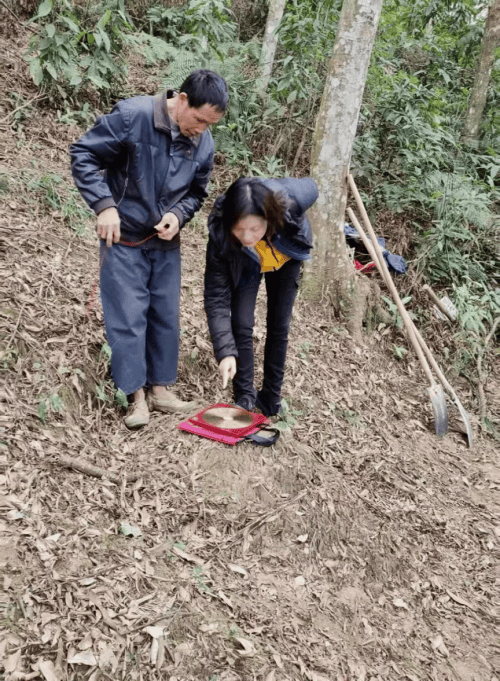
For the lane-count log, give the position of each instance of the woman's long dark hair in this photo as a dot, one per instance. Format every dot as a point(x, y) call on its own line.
point(250, 196)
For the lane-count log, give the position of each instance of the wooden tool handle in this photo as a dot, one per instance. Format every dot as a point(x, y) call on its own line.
point(378, 258)
point(406, 317)
point(376, 253)
point(437, 302)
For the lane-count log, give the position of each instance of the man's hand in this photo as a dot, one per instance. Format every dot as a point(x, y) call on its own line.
point(108, 225)
point(168, 226)
point(227, 369)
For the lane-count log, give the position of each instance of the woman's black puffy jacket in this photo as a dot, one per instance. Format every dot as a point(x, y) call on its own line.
point(226, 263)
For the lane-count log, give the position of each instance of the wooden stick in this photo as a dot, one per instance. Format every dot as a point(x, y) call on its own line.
point(13, 334)
point(28, 26)
point(437, 302)
point(376, 254)
point(23, 106)
point(15, 17)
point(96, 471)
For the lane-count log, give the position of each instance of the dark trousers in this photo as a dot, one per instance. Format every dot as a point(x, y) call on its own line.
point(281, 287)
point(140, 292)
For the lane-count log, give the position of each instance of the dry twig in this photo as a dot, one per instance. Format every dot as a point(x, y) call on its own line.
point(482, 377)
point(95, 471)
point(13, 334)
point(23, 106)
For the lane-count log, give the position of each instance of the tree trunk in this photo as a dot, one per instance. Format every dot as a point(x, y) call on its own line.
point(332, 147)
point(484, 66)
point(276, 8)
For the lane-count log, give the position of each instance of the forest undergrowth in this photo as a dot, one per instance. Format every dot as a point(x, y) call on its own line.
point(360, 547)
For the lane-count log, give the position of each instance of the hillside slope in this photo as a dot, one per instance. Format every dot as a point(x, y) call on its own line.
point(360, 547)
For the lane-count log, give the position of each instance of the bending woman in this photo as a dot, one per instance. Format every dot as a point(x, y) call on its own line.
point(258, 227)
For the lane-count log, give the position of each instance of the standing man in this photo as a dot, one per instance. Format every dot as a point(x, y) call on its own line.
point(157, 157)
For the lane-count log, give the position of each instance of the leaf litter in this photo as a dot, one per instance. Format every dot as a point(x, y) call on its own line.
point(360, 547)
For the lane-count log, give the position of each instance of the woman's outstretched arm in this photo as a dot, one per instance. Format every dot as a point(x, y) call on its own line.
point(218, 294)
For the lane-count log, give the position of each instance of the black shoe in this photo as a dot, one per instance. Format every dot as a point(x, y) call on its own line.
point(264, 409)
point(246, 403)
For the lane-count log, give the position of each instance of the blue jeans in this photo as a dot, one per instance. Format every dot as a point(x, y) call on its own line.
point(281, 287)
point(140, 292)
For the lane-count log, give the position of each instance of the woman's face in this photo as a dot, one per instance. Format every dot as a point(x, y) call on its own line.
point(249, 230)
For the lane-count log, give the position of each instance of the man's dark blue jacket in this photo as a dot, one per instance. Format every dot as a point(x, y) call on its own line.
point(226, 263)
point(150, 168)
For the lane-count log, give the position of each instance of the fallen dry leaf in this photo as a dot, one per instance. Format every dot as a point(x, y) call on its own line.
point(108, 660)
point(224, 598)
point(438, 644)
point(48, 670)
point(154, 651)
point(86, 657)
point(187, 556)
point(209, 628)
point(10, 664)
point(399, 603)
point(247, 647)
point(183, 594)
point(459, 600)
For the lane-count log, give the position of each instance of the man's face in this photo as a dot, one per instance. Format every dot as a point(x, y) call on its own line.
point(193, 122)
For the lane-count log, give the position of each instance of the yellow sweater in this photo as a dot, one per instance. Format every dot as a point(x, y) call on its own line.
point(270, 258)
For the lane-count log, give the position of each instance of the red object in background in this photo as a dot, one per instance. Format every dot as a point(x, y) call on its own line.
point(369, 267)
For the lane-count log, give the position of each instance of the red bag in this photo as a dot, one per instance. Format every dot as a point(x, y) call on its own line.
point(221, 422)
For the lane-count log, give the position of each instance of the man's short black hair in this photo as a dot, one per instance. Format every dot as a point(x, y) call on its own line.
point(206, 87)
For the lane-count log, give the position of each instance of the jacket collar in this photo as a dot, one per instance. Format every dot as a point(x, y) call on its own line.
point(160, 116)
point(163, 122)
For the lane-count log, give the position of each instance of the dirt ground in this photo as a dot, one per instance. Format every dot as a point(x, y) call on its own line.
point(360, 547)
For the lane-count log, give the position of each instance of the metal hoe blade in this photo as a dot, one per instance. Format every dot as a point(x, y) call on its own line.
point(438, 401)
point(465, 419)
point(452, 393)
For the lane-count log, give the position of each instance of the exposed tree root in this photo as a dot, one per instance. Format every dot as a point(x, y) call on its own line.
point(365, 307)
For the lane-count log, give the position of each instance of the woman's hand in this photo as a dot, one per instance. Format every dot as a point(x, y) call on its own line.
point(227, 369)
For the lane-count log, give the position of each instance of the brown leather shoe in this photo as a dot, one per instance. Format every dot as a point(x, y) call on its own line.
point(169, 403)
point(137, 415)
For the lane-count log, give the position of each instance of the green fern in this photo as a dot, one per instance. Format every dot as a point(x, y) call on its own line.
point(238, 64)
point(243, 100)
point(179, 68)
point(154, 50)
point(457, 197)
point(460, 244)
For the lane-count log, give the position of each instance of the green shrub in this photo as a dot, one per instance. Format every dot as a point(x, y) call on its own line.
point(77, 47)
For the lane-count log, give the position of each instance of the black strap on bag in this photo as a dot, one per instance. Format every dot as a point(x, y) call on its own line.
point(257, 439)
